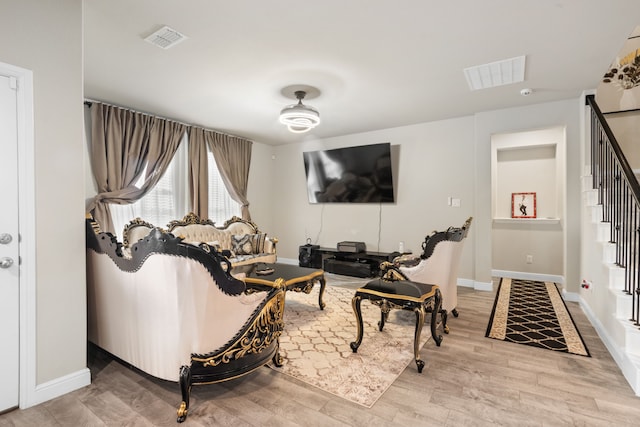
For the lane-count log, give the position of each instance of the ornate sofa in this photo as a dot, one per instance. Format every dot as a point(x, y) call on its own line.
point(245, 243)
point(173, 310)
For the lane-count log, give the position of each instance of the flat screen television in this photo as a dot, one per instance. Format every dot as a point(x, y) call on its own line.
point(360, 174)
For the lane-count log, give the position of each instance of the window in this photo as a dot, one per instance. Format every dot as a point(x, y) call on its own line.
point(221, 205)
point(169, 199)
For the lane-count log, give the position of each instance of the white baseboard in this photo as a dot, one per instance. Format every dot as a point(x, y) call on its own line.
point(58, 387)
point(478, 286)
point(528, 276)
point(628, 365)
point(291, 261)
point(570, 296)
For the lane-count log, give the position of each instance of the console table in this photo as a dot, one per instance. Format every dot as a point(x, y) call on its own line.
point(358, 264)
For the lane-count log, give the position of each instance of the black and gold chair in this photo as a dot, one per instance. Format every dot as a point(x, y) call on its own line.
point(438, 263)
point(423, 284)
point(399, 294)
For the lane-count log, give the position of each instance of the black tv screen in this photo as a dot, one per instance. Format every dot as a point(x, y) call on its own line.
point(361, 174)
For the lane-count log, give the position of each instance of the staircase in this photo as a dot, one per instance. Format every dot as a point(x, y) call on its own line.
point(610, 230)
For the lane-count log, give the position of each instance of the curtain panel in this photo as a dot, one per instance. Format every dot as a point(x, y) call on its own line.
point(125, 146)
point(233, 159)
point(198, 177)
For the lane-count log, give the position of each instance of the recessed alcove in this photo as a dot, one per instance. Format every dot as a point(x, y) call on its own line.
point(528, 162)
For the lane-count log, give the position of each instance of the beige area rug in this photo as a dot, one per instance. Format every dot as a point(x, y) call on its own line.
point(315, 345)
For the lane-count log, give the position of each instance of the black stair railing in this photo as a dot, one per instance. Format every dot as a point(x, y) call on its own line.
point(619, 195)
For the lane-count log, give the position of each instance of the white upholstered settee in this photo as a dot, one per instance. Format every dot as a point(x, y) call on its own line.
point(173, 310)
point(241, 240)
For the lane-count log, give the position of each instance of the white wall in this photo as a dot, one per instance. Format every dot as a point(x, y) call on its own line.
point(435, 161)
point(562, 114)
point(46, 37)
point(626, 128)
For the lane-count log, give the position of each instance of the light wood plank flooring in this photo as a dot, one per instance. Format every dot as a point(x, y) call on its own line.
point(469, 381)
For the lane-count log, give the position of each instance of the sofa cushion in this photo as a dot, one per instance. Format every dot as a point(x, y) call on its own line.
point(257, 242)
point(241, 244)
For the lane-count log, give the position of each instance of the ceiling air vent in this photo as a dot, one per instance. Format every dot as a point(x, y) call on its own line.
point(165, 37)
point(496, 73)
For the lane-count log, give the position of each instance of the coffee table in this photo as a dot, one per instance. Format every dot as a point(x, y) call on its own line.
point(297, 279)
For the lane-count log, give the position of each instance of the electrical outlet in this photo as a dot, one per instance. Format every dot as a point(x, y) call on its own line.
point(529, 259)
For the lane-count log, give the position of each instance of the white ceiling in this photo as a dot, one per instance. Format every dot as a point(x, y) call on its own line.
point(377, 63)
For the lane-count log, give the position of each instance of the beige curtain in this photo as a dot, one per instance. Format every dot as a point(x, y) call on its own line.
point(123, 145)
point(233, 158)
point(198, 173)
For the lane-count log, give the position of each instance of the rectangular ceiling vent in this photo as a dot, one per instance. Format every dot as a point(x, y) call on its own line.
point(496, 73)
point(165, 37)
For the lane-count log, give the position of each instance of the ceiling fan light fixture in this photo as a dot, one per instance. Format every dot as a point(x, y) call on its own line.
point(299, 118)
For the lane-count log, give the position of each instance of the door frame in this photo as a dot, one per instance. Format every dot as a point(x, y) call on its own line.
point(27, 231)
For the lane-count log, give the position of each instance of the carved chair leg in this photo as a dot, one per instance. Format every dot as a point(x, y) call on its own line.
point(455, 312)
point(277, 357)
point(384, 315)
point(443, 317)
point(416, 338)
point(185, 388)
point(434, 318)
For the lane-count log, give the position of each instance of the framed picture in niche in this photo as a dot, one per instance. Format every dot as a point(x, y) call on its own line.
point(523, 205)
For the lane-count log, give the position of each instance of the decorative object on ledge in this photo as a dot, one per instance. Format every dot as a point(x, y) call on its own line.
point(523, 205)
point(299, 118)
point(625, 73)
point(619, 90)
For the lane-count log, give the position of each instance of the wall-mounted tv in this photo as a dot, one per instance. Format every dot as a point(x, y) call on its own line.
point(361, 174)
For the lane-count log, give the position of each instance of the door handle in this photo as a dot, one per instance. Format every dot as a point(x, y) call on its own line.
point(6, 262)
point(5, 238)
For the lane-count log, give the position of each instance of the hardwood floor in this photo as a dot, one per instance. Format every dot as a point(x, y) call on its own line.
point(469, 380)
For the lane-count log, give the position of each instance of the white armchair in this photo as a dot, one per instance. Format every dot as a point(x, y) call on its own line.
point(437, 265)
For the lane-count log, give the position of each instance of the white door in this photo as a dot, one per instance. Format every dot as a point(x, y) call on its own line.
point(9, 271)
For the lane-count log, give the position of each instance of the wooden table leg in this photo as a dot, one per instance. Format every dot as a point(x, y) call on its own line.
point(323, 284)
point(355, 303)
point(416, 337)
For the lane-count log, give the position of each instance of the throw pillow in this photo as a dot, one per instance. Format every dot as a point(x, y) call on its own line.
point(257, 241)
point(241, 244)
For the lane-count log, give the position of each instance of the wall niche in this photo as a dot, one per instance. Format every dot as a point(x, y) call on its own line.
point(528, 162)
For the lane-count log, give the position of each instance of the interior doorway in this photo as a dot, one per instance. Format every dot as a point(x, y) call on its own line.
point(17, 217)
point(9, 247)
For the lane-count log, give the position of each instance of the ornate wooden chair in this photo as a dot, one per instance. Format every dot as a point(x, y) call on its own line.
point(438, 264)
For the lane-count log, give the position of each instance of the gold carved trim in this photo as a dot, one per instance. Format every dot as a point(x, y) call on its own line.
point(191, 218)
point(136, 222)
point(233, 219)
point(400, 297)
point(188, 219)
point(265, 329)
point(94, 224)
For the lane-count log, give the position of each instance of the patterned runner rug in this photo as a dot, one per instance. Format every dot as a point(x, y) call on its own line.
point(533, 313)
point(315, 345)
